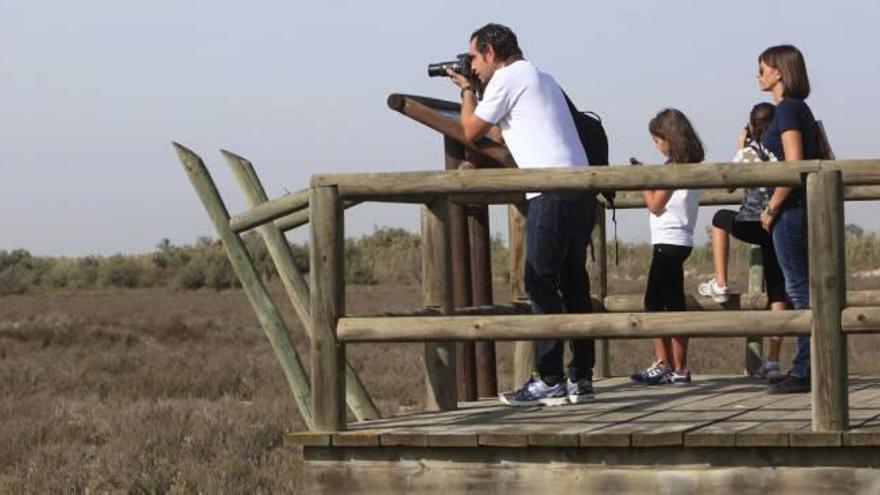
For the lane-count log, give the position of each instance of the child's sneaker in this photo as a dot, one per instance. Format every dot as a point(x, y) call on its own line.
point(681, 378)
point(769, 370)
point(657, 374)
point(716, 292)
point(536, 393)
point(579, 391)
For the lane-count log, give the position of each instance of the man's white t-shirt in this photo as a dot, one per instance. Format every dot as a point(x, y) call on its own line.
point(530, 109)
point(675, 224)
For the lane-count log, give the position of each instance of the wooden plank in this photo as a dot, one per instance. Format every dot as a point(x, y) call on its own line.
point(307, 439)
point(365, 438)
point(453, 440)
point(815, 439)
point(599, 245)
point(295, 285)
point(827, 262)
point(326, 274)
point(552, 440)
point(503, 440)
point(566, 326)
point(270, 319)
point(269, 210)
point(523, 351)
point(754, 348)
point(403, 439)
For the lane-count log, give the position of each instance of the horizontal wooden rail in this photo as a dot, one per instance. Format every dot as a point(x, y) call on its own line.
point(702, 176)
point(301, 217)
point(744, 302)
point(270, 210)
point(717, 197)
point(607, 325)
point(566, 326)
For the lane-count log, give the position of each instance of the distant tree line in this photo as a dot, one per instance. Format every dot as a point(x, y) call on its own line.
point(388, 255)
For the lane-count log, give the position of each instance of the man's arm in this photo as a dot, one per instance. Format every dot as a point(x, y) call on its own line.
point(474, 127)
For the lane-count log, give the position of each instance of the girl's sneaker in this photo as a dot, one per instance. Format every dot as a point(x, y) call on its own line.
point(713, 290)
point(681, 378)
point(658, 373)
point(769, 370)
point(579, 391)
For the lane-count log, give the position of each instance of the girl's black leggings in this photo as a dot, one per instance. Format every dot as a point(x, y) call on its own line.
point(665, 290)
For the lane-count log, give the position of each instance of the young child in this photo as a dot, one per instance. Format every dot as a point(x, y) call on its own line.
point(745, 225)
point(673, 217)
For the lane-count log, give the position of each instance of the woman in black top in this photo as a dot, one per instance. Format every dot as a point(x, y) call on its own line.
point(792, 135)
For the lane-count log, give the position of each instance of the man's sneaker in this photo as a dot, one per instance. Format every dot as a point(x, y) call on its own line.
point(657, 374)
point(716, 292)
point(536, 393)
point(770, 371)
point(579, 391)
point(681, 378)
point(790, 385)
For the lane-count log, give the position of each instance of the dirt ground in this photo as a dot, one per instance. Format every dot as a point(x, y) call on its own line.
point(162, 391)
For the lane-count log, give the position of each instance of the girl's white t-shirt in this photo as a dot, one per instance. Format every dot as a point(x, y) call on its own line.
point(675, 224)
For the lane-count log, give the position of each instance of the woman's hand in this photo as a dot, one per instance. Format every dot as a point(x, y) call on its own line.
point(768, 215)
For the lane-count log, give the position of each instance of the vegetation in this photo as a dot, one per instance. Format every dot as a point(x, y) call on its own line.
point(388, 255)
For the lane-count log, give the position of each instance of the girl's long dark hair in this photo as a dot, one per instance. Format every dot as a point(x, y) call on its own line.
point(684, 143)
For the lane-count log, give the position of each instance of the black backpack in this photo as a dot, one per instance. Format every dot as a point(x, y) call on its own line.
point(593, 138)
point(595, 143)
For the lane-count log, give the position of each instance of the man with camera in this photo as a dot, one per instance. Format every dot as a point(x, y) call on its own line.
point(530, 109)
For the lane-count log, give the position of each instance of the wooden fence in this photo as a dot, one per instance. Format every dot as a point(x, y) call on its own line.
point(322, 395)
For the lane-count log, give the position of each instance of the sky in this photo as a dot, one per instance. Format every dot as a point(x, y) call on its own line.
point(93, 92)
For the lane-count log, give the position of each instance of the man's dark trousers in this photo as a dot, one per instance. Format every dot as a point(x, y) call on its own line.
point(558, 227)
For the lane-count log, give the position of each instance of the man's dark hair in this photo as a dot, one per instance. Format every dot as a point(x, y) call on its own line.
point(501, 38)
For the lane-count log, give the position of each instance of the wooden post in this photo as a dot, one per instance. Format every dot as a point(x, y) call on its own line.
point(461, 273)
point(268, 315)
point(440, 390)
point(327, 277)
point(754, 345)
point(825, 230)
point(599, 245)
point(295, 285)
point(481, 289)
point(523, 350)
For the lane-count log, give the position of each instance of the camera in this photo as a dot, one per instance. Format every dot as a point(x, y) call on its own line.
point(461, 64)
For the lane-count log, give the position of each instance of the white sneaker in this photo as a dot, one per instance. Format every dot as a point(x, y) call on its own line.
point(716, 292)
point(769, 370)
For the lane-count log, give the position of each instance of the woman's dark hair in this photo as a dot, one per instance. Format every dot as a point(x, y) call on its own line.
point(501, 38)
point(684, 144)
point(789, 61)
point(759, 120)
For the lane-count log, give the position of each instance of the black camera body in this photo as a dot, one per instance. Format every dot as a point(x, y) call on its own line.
point(462, 65)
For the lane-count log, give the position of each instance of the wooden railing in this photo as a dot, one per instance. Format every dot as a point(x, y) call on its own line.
point(828, 320)
point(320, 304)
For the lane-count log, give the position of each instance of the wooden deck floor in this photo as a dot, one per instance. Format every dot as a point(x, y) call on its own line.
point(714, 411)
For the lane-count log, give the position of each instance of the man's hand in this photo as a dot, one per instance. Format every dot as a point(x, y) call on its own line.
point(457, 79)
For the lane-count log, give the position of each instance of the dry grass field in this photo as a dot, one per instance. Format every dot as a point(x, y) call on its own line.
point(164, 391)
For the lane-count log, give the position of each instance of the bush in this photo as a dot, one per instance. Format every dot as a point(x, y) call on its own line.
point(15, 279)
point(120, 271)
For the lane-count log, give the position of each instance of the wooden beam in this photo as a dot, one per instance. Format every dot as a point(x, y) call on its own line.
point(295, 285)
point(440, 385)
point(523, 351)
point(420, 109)
point(693, 176)
point(754, 348)
point(270, 210)
point(827, 262)
point(267, 314)
point(327, 279)
point(694, 302)
point(567, 326)
point(301, 217)
point(599, 245)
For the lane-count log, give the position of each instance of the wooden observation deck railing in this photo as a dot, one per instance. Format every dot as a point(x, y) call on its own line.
point(321, 396)
point(828, 321)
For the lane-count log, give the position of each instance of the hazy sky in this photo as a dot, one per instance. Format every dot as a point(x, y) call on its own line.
point(93, 92)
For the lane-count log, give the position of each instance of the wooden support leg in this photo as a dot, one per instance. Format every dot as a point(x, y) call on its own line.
point(754, 345)
point(440, 378)
point(358, 399)
point(600, 290)
point(827, 260)
point(268, 315)
point(523, 350)
point(326, 275)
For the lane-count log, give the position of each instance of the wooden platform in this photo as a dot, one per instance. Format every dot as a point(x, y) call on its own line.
point(720, 434)
point(711, 412)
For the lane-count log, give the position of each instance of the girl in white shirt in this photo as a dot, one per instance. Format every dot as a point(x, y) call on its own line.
point(673, 217)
